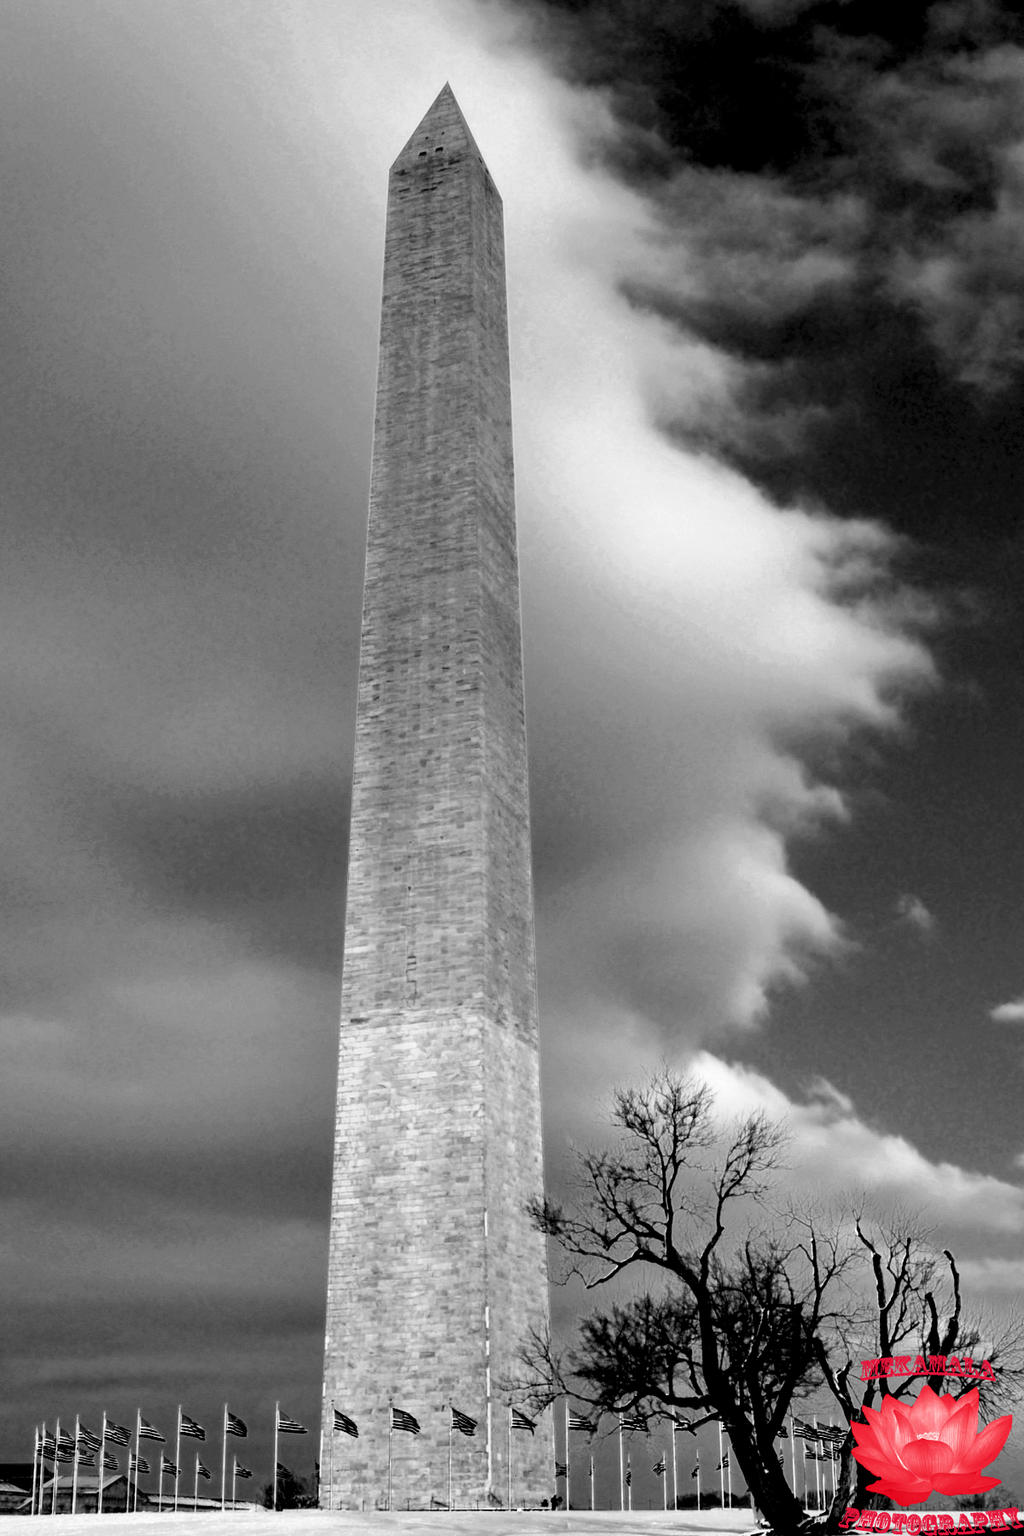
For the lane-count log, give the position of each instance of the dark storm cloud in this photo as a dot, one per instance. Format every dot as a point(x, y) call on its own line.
point(270, 862)
point(839, 189)
point(196, 199)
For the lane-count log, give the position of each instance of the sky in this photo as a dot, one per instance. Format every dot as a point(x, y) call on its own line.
point(767, 320)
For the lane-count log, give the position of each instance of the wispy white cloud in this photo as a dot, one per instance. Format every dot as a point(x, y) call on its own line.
point(956, 130)
point(911, 911)
point(994, 1274)
point(186, 593)
point(833, 1150)
point(679, 627)
point(1009, 1013)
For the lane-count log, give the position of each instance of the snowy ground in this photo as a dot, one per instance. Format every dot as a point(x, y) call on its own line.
point(312, 1522)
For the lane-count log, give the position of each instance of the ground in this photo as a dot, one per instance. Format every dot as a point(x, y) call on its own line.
point(312, 1522)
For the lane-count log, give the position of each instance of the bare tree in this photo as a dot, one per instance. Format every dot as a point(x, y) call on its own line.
point(744, 1309)
point(730, 1335)
point(916, 1309)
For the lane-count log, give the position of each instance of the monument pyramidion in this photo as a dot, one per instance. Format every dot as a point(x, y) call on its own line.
point(435, 1272)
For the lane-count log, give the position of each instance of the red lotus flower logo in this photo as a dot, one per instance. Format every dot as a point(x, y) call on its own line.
point(933, 1444)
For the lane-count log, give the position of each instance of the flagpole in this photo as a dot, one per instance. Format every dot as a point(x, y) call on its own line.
point(234, 1469)
point(391, 1431)
point(195, 1486)
point(35, 1465)
point(177, 1460)
point(622, 1474)
point(508, 1460)
point(101, 1454)
point(817, 1467)
point(74, 1470)
point(792, 1453)
point(330, 1469)
point(138, 1436)
point(42, 1470)
point(277, 1415)
point(56, 1448)
point(698, 1479)
point(568, 1469)
point(728, 1469)
point(591, 1480)
point(803, 1459)
point(629, 1484)
point(664, 1477)
point(450, 1416)
point(224, 1457)
point(37, 1493)
point(675, 1469)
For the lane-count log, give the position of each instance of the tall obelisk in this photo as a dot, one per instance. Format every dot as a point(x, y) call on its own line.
point(435, 1272)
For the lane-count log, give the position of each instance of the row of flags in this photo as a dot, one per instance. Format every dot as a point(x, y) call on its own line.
point(824, 1434)
point(85, 1450)
point(409, 1424)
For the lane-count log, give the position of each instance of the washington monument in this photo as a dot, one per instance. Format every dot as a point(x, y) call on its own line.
point(435, 1271)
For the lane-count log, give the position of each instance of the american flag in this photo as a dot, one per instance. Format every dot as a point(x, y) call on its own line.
point(696, 1471)
point(802, 1431)
point(659, 1468)
point(86, 1458)
point(48, 1446)
point(632, 1421)
point(87, 1439)
point(148, 1431)
point(463, 1423)
point(723, 1463)
point(783, 1433)
point(202, 1471)
point(241, 1471)
point(137, 1464)
point(678, 1423)
point(188, 1426)
point(629, 1475)
point(110, 1463)
point(118, 1434)
point(233, 1425)
point(345, 1424)
point(166, 1465)
point(561, 1470)
point(290, 1426)
point(832, 1434)
point(577, 1421)
point(520, 1421)
point(402, 1420)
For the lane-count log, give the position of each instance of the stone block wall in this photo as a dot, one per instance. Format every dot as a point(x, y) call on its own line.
point(435, 1273)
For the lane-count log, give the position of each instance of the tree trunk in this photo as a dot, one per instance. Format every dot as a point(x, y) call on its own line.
point(766, 1480)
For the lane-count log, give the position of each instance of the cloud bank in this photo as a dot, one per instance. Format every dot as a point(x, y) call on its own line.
point(191, 379)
